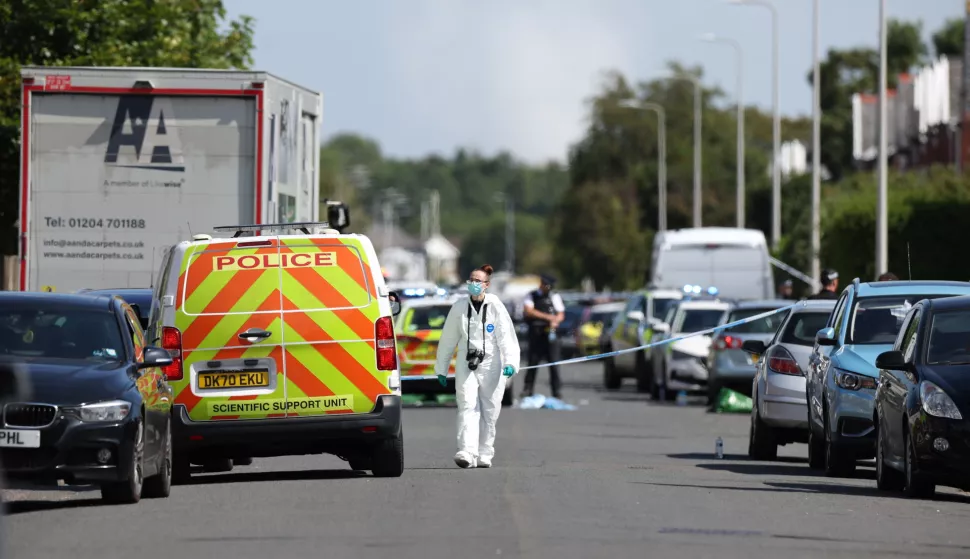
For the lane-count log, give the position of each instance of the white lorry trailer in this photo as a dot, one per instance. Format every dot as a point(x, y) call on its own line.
point(120, 163)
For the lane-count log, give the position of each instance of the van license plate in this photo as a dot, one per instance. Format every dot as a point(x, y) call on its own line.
point(233, 379)
point(18, 438)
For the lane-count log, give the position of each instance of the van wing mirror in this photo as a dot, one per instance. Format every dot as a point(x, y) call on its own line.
point(395, 299)
point(635, 316)
point(825, 337)
point(661, 328)
point(155, 357)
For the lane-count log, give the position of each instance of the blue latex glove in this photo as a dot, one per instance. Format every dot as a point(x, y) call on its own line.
point(443, 380)
point(508, 370)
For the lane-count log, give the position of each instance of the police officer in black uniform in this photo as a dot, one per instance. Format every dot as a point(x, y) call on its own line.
point(830, 283)
point(543, 311)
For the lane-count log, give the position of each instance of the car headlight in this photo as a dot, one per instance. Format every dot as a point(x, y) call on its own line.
point(852, 381)
point(112, 411)
point(936, 402)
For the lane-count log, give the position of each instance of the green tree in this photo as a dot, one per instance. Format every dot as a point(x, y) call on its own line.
point(948, 41)
point(172, 33)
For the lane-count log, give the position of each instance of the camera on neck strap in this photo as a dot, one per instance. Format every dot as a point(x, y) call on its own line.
point(475, 358)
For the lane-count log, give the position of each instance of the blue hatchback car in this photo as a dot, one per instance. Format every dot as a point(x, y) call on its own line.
point(842, 376)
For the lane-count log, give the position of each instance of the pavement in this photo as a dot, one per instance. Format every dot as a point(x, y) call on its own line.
point(618, 477)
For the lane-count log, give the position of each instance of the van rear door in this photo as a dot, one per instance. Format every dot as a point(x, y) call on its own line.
point(228, 310)
point(330, 313)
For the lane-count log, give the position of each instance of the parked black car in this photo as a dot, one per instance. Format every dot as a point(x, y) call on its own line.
point(922, 402)
point(100, 407)
point(139, 298)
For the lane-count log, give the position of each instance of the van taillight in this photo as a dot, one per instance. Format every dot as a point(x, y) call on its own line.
point(727, 342)
point(386, 353)
point(172, 341)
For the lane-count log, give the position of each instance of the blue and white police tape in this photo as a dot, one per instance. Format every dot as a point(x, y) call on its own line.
point(714, 330)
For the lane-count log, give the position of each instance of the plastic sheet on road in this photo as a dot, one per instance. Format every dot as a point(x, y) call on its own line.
point(729, 401)
point(538, 401)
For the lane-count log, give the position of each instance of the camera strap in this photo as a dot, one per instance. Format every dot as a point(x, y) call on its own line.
point(468, 339)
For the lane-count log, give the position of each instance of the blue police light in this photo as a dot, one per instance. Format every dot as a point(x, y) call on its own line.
point(442, 291)
point(697, 289)
point(421, 292)
point(712, 291)
point(410, 292)
point(688, 288)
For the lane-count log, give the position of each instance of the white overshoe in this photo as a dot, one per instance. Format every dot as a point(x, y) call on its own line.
point(464, 460)
point(484, 462)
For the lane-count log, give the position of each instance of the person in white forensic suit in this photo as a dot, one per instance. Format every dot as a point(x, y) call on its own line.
point(480, 328)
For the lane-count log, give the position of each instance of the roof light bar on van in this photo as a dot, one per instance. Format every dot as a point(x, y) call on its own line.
point(303, 226)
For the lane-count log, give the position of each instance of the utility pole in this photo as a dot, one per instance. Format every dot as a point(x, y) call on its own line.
point(882, 218)
point(509, 234)
point(816, 147)
point(962, 111)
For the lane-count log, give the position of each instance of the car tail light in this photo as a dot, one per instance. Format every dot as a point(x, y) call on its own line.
point(781, 361)
point(386, 353)
point(172, 341)
point(727, 342)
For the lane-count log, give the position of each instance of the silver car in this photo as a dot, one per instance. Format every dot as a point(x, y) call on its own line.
point(780, 414)
point(732, 367)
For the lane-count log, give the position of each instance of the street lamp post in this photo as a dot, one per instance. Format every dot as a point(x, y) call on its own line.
point(882, 233)
point(698, 118)
point(509, 203)
point(712, 38)
point(776, 122)
point(661, 158)
point(816, 146)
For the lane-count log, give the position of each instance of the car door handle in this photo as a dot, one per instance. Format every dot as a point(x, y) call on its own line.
point(254, 334)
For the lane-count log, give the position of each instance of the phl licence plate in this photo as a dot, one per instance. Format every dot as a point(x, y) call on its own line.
point(214, 380)
point(19, 438)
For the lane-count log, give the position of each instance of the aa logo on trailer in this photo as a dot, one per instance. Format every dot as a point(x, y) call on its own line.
point(144, 135)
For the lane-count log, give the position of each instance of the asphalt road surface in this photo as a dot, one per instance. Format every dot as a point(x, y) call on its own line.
point(619, 477)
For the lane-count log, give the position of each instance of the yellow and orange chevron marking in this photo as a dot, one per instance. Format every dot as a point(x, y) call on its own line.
point(324, 314)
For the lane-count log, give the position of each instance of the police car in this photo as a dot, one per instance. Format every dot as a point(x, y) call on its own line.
point(636, 326)
point(418, 329)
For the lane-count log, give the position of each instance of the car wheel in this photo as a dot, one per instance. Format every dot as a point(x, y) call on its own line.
point(611, 380)
point(508, 397)
point(388, 457)
point(762, 444)
point(159, 485)
point(713, 389)
point(887, 478)
point(129, 490)
point(247, 461)
point(837, 464)
point(644, 374)
point(915, 485)
point(655, 391)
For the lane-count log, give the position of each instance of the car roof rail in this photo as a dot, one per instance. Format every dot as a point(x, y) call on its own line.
point(303, 226)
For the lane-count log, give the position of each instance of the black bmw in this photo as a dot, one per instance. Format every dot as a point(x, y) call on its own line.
point(922, 403)
point(100, 405)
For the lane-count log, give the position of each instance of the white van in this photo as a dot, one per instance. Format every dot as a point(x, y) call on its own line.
point(734, 261)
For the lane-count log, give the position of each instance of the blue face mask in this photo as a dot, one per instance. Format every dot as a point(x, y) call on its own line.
point(476, 288)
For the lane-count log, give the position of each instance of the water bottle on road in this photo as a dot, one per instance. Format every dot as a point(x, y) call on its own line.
point(682, 398)
point(719, 448)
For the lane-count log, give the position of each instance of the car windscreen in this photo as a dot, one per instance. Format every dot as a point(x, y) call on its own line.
point(802, 327)
point(949, 340)
point(765, 325)
point(696, 320)
point(876, 320)
point(48, 332)
point(430, 317)
point(659, 307)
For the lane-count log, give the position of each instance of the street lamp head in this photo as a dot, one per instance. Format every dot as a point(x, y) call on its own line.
point(709, 37)
point(629, 104)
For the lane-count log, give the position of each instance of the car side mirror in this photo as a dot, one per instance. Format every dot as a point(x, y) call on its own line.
point(155, 357)
point(825, 336)
point(395, 303)
point(635, 316)
point(892, 360)
point(756, 347)
point(661, 328)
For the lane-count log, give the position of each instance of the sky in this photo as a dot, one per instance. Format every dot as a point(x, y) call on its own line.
point(432, 76)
